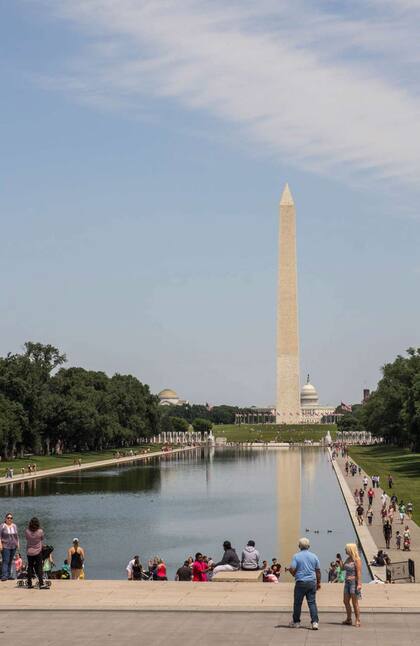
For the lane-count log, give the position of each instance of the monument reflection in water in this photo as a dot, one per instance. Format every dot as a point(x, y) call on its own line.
point(188, 502)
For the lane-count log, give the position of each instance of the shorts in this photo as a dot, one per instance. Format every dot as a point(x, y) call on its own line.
point(350, 586)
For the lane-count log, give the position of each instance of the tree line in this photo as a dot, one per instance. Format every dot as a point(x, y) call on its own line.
point(46, 408)
point(393, 410)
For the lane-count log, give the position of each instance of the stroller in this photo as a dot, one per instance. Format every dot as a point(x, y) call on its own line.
point(22, 581)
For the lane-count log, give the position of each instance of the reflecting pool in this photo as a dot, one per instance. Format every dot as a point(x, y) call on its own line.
point(177, 505)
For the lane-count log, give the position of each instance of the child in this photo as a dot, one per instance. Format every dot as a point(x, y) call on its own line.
point(407, 539)
point(276, 570)
point(18, 564)
point(398, 540)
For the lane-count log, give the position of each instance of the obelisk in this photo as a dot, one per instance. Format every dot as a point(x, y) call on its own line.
point(288, 383)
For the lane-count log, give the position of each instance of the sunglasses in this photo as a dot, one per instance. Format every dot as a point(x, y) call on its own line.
point(9, 517)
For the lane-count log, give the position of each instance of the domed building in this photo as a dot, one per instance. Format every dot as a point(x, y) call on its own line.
point(312, 411)
point(168, 397)
point(309, 395)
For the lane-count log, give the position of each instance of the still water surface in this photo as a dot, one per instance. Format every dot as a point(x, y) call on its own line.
point(181, 504)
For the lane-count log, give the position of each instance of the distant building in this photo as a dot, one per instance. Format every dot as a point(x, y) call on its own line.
point(169, 397)
point(366, 395)
point(311, 410)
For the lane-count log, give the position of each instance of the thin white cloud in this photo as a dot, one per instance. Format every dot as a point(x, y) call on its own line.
point(332, 92)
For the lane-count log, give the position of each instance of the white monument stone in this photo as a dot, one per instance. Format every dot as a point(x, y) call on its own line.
point(288, 383)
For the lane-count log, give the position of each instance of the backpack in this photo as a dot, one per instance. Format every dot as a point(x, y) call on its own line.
point(46, 551)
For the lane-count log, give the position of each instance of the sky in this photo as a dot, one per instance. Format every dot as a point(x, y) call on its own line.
point(144, 148)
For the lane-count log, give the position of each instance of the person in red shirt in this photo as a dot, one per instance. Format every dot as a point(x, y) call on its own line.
point(161, 571)
point(199, 568)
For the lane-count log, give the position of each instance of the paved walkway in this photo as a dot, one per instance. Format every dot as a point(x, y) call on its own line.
point(375, 530)
point(45, 473)
point(186, 629)
point(172, 595)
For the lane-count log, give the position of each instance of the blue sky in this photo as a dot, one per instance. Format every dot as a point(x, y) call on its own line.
point(145, 146)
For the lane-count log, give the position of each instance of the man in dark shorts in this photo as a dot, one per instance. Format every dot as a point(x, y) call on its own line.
point(359, 513)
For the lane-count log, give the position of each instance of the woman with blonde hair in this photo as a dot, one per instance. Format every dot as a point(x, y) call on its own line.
point(352, 583)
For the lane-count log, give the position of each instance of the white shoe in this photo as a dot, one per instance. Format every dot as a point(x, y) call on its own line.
point(294, 625)
point(315, 625)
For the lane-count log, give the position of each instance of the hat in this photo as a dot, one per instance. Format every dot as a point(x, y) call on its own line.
point(75, 540)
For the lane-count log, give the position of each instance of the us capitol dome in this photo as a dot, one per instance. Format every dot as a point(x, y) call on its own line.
point(309, 395)
point(312, 411)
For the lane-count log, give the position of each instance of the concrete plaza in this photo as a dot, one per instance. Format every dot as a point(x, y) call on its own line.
point(192, 597)
point(189, 629)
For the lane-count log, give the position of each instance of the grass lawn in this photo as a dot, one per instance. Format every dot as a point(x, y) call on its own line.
point(56, 461)
point(268, 433)
point(403, 465)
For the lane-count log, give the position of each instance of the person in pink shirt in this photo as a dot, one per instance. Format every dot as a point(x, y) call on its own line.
point(34, 538)
point(199, 568)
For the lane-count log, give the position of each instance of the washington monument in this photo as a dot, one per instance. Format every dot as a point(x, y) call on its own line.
point(288, 382)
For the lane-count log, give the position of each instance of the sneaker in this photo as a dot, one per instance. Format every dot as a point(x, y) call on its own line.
point(294, 624)
point(315, 625)
point(44, 586)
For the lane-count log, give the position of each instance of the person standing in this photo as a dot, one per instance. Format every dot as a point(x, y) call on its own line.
point(34, 538)
point(9, 544)
point(387, 529)
point(199, 569)
point(161, 571)
point(409, 509)
point(401, 510)
point(370, 495)
point(306, 570)
point(359, 514)
point(390, 481)
point(76, 558)
point(183, 573)
point(352, 583)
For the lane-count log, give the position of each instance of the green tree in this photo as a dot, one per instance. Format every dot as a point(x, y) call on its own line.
point(202, 425)
point(393, 410)
point(223, 414)
point(13, 421)
point(179, 424)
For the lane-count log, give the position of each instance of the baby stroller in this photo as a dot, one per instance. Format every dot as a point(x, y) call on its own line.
point(23, 582)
